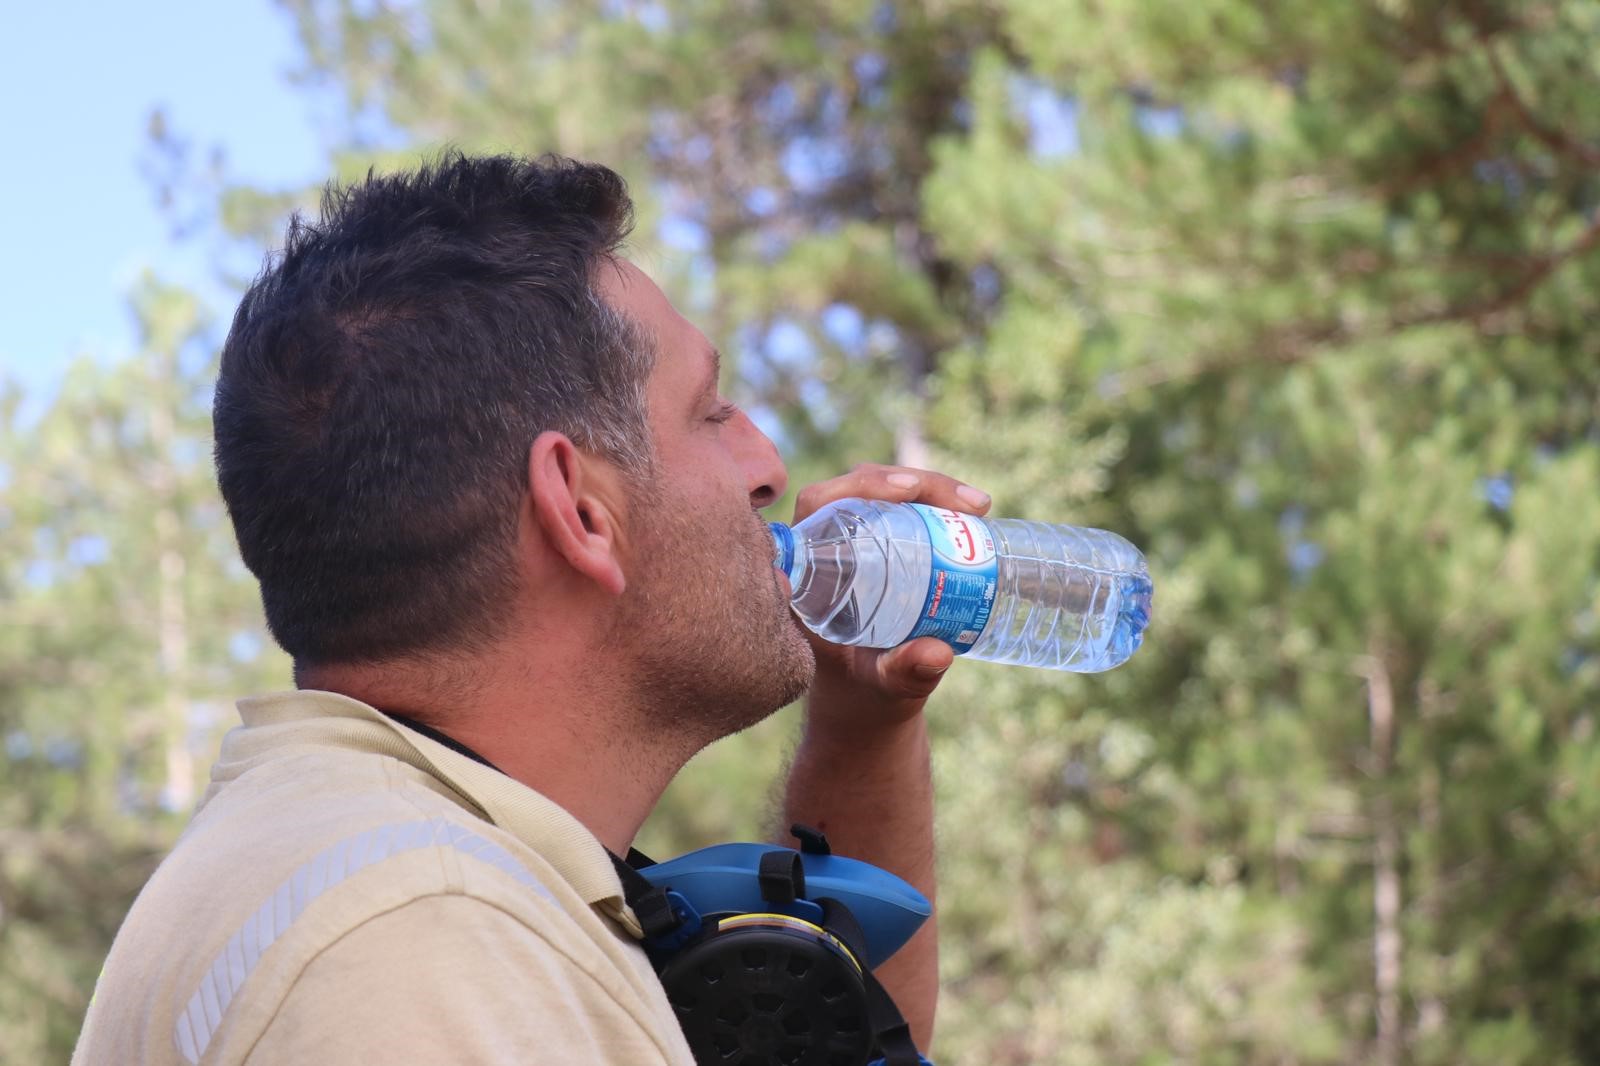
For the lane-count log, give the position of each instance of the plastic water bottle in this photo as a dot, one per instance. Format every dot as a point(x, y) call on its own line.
point(877, 574)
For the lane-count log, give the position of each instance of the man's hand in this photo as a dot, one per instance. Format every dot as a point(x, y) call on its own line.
point(860, 689)
point(861, 773)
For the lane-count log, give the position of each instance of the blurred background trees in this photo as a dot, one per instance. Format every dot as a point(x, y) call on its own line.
point(1296, 296)
point(128, 625)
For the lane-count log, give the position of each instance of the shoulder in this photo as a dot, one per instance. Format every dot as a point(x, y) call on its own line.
point(402, 865)
point(455, 978)
point(320, 871)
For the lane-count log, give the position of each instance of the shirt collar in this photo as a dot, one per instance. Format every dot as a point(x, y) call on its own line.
point(543, 825)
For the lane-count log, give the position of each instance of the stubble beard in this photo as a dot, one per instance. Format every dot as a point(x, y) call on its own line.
point(716, 647)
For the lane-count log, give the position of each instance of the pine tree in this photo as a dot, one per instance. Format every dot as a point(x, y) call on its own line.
point(1308, 302)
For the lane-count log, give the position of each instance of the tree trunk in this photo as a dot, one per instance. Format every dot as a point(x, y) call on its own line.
point(1387, 944)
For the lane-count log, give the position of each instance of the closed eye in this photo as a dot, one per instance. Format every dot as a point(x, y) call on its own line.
point(723, 413)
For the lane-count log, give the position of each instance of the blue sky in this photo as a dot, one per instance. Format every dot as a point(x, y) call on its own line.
point(78, 82)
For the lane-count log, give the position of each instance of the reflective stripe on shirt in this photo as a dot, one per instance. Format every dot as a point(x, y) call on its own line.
point(203, 1016)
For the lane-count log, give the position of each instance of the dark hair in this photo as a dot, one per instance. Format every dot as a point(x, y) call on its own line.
point(384, 378)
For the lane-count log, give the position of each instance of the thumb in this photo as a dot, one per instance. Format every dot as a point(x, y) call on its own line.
point(914, 669)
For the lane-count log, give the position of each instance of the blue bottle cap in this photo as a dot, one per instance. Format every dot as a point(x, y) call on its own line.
point(783, 545)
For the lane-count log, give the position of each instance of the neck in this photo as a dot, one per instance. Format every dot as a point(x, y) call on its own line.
point(566, 726)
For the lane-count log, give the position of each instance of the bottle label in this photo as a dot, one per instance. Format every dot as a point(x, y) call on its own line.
point(963, 581)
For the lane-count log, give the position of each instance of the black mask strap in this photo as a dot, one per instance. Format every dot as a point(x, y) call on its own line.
point(888, 1025)
point(649, 902)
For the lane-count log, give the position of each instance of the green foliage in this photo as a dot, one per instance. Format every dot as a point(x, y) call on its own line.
point(1322, 284)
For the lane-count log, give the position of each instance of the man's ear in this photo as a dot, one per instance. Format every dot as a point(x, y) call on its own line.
point(575, 518)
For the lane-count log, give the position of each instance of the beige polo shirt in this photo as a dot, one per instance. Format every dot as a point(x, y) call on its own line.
point(350, 891)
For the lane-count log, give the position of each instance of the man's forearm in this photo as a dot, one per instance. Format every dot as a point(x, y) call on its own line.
point(871, 791)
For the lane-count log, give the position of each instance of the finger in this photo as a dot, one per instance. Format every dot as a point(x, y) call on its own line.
point(914, 669)
point(899, 484)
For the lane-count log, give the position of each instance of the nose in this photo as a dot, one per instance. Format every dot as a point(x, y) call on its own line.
point(764, 472)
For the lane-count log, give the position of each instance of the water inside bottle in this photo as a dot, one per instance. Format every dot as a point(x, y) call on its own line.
point(1076, 599)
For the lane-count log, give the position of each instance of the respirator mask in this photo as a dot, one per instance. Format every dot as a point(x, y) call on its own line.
point(767, 953)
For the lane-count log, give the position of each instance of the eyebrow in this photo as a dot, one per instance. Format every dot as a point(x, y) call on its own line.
point(710, 387)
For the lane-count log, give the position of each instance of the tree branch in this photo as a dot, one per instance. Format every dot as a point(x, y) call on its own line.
point(1301, 342)
point(1554, 139)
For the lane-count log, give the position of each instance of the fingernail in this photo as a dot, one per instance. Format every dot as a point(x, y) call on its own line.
point(903, 481)
point(927, 670)
point(973, 496)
